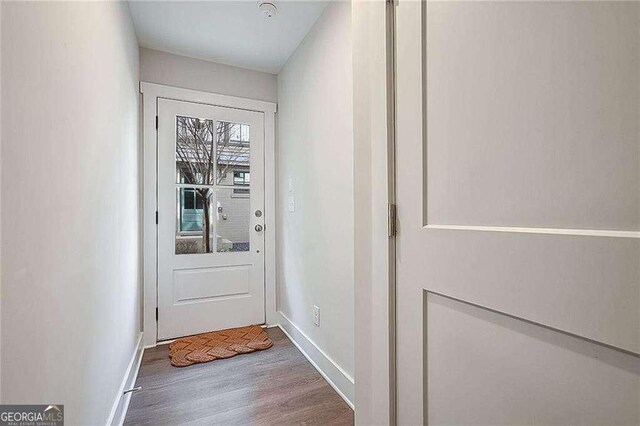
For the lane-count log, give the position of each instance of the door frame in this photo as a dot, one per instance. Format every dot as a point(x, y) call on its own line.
point(373, 29)
point(151, 92)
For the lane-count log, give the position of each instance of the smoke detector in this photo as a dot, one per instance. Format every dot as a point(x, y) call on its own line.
point(268, 9)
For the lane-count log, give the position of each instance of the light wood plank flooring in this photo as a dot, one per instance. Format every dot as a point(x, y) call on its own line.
point(273, 387)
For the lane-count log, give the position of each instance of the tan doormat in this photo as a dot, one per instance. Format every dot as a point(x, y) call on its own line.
point(218, 344)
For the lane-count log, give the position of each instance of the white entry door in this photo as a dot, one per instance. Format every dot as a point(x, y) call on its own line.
point(211, 222)
point(518, 197)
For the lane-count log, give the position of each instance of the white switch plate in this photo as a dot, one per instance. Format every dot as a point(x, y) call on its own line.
point(290, 184)
point(292, 204)
point(316, 315)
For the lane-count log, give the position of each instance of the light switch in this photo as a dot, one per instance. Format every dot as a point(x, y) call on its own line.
point(292, 204)
point(290, 184)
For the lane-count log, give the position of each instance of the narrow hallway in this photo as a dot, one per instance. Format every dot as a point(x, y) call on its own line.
point(275, 386)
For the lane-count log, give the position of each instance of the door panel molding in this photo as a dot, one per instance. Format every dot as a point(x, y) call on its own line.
point(430, 224)
point(150, 93)
point(490, 310)
point(235, 283)
point(551, 231)
point(514, 359)
point(528, 155)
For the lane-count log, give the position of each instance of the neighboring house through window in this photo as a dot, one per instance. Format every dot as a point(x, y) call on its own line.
point(241, 178)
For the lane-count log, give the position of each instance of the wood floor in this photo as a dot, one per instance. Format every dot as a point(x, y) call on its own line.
point(273, 387)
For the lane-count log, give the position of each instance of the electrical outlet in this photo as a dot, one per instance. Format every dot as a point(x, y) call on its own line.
point(316, 316)
point(292, 204)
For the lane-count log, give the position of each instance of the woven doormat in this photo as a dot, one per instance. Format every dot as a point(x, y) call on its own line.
point(218, 344)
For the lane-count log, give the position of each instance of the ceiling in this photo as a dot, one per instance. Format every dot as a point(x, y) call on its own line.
point(228, 32)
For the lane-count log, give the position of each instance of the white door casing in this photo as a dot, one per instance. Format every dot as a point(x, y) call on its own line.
point(518, 185)
point(202, 292)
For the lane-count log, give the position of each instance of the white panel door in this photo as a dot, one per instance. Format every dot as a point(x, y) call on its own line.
point(518, 192)
point(211, 222)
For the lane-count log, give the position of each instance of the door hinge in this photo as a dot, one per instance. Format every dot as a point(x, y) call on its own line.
point(392, 220)
point(156, 217)
point(156, 122)
point(156, 314)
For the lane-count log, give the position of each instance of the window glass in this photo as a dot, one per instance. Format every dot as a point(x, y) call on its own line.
point(232, 153)
point(194, 150)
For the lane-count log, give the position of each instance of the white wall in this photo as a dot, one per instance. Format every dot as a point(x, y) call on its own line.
point(70, 209)
point(180, 71)
point(315, 149)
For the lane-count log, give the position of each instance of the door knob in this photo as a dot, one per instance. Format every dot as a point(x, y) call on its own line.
point(258, 228)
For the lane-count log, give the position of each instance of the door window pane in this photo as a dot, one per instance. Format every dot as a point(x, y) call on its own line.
point(194, 150)
point(194, 220)
point(232, 153)
point(233, 228)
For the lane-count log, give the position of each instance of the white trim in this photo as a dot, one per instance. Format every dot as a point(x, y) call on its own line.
point(121, 403)
point(270, 217)
point(179, 94)
point(150, 94)
point(160, 343)
point(337, 378)
point(149, 205)
point(553, 231)
point(374, 190)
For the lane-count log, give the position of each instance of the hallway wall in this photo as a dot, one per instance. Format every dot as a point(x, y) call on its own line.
point(315, 264)
point(70, 205)
point(196, 74)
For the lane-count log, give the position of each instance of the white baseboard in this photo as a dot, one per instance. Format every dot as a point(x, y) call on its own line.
point(121, 403)
point(339, 380)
